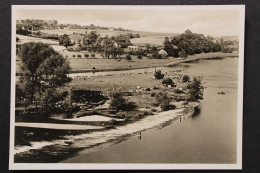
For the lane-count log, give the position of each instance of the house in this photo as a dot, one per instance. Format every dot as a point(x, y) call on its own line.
point(162, 52)
point(133, 48)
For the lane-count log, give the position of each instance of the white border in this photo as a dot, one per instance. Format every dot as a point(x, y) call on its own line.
point(67, 166)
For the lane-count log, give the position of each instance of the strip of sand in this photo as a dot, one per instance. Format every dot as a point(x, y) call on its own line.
point(58, 126)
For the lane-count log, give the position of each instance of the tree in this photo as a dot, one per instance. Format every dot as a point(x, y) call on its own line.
point(185, 78)
point(128, 57)
point(163, 100)
point(166, 41)
point(147, 47)
point(167, 81)
point(183, 54)
point(64, 40)
point(120, 103)
point(42, 69)
point(169, 49)
point(158, 74)
point(195, 88)
point(139, 56)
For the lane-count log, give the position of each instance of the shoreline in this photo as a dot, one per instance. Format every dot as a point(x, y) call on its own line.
point(185, 113)
point(179, 61)
point(69, 150)
point(191, 58)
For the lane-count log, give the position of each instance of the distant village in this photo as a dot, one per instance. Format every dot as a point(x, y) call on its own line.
point(118, 45)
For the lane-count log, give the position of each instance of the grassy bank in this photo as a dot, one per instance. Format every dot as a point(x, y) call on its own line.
point(86, 65)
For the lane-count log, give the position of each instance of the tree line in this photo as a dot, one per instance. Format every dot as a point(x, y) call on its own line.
point(189, 43)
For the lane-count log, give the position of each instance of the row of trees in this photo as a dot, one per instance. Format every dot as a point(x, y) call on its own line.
point(36, 24)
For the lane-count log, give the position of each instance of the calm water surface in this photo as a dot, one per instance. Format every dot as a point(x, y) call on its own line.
point(208, 137)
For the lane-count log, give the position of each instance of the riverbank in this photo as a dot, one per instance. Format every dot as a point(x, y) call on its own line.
point(70, 145)
point(207, 137)
point(105, 65)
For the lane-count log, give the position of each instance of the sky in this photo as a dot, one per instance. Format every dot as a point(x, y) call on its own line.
point(224, 22)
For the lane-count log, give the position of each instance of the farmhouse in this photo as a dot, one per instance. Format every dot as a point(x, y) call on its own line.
point(134, 48)
point(162, 52)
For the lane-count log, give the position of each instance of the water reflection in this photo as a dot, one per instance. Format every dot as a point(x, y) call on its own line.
point(196, 112)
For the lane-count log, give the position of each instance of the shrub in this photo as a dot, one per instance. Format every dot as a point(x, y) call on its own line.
point(168, 107)
point(154, 110)
point(17, 39)
point(86, 55)
point(139, 57)
point(69, 49)
point(153, 94)
point(120, 103)
point(163, 100)
point(185, 78)
point(148, 89)
point(79, 56)
point(93, 55)
point(128, 57)
point(158, 74)
point(178, 91)
point(146, 113)
point(74, 56)
point(167, 81)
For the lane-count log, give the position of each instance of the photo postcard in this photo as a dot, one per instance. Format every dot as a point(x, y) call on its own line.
point(126, 87)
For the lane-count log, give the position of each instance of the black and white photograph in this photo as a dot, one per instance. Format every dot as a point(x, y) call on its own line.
point(126, 87)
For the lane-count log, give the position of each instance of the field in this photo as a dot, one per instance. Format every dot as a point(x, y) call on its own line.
point(112, 64)
point(152, 38)
point(53, 43)
point(104, 32)
point(101, 64)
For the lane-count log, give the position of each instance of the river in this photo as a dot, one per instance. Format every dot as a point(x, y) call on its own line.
point(207, 137)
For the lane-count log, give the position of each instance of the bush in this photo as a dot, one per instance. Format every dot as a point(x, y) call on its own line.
point(69, 49)
point(139, 57)
point(17, 39)
point(148, 89)
point(158, 74)
point(178, 91)
point(168, 107)
point(79, 56)
point(86, 55)
point(74, 56)
point(82, 96)
point(153, 94)
point(163, 100)
point(119, 102)
point(128, 57)
point(185, 78)
point(167, 81)
point(93, 55)
point(146, 113)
